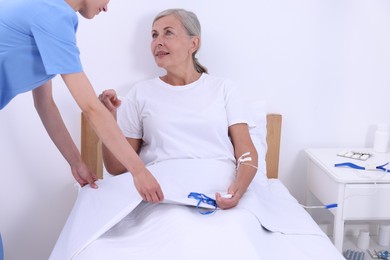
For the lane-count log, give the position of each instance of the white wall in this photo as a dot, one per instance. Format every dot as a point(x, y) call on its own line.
point(323, 64)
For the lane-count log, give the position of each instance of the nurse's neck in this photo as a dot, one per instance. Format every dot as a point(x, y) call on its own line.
point(75, 4)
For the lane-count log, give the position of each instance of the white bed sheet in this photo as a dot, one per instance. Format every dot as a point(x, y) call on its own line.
point(191, 236)
point(113, 223)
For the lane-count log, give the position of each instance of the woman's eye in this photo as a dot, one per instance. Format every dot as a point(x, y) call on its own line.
point(154, 35)
point(168, 33)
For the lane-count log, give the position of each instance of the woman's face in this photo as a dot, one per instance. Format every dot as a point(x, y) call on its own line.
point(91, 8)
point(171, 46)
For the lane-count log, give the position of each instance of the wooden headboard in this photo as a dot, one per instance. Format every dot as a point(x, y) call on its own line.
point(91, 147)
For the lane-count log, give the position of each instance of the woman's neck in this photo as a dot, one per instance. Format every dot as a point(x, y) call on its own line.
point(180, 79)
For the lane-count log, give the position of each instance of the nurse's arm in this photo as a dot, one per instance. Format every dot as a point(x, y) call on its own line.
point(55, 127)
point(110, 100)
point(108, 131)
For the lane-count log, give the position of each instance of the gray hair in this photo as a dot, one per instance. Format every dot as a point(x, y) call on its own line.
point(190, 22)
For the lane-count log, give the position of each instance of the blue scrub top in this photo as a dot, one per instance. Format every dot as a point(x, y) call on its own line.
point(38, 41)
point(1, 248)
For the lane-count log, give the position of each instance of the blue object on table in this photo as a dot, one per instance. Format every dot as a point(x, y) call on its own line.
point(382, 167)
point(384, 254)
point(329, 206)
point(1, 249)
point(354, 255)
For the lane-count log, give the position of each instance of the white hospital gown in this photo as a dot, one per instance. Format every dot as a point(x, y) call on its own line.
point(181, 122)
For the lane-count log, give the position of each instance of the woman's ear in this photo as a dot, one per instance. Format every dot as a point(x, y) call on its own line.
point(195, 44)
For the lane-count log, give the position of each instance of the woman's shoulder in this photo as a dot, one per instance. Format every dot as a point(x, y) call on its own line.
point(219, 82)
point(217, 79)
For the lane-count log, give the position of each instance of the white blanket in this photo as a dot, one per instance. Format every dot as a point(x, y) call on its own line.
point(96, 211)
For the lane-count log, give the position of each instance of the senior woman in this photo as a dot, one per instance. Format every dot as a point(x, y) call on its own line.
point(194, 126)
point(162, 118)
point(191, 130)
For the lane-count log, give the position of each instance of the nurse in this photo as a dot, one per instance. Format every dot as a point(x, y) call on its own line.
point(38, 41)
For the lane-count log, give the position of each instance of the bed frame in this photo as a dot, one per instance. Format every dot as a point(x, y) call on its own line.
point(91, 147)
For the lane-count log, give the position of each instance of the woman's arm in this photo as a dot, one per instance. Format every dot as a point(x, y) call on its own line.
point(242, 143)
point(106, 128)
point(113, 166)
point(55, 127)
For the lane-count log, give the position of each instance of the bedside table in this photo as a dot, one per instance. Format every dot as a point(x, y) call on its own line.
point(359, 194)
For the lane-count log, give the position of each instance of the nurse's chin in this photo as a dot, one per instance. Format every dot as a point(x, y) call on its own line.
point(87, 16)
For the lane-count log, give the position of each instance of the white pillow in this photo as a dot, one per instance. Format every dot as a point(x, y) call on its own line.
point(258, 132)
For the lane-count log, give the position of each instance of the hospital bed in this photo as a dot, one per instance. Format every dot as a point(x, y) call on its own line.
point(268, 224)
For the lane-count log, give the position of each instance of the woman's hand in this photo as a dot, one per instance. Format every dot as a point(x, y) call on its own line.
point(227, 203)
point(148, 187)
point(110, 100)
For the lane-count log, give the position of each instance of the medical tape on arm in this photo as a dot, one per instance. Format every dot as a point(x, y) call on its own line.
point(243, 159)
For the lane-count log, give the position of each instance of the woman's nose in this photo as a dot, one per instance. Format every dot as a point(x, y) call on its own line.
point(159, 41)
point(105, 8)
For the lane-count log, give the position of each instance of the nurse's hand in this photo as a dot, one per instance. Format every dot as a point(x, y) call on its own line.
point(83, 175)
point(148, 187)
point(110, 100)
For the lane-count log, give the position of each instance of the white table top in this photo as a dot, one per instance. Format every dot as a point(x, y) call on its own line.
point(326, 158)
